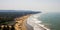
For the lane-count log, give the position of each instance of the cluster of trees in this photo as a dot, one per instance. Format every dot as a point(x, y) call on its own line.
point(6, 17)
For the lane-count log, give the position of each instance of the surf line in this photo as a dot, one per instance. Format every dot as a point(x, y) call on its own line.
point(33, 20)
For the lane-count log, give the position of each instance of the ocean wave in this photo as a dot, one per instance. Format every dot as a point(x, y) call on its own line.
point(35, 23)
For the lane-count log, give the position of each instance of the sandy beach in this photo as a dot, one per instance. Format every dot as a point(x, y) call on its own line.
point(29, 27)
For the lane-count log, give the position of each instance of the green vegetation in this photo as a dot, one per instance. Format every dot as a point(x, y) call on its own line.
point(6, 17)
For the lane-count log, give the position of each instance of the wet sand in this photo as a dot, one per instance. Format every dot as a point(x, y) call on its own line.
point(29, 27)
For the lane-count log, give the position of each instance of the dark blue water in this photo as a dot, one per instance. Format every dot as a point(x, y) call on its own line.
point(52, 20)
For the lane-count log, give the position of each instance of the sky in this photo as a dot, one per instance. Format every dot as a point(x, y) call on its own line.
point(42, 5)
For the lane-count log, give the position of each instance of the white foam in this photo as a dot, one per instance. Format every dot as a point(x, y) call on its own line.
point(34, 22)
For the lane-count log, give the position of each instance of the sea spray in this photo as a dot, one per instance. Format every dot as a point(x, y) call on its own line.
point(35, 23)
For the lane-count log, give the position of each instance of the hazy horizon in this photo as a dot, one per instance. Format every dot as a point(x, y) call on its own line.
point(41, 5)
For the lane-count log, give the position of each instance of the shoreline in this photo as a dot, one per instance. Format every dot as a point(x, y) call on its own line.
point(39, 27)
point(36, 24)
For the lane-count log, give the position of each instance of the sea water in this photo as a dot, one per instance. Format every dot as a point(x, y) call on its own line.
point(36, 23)
point(51, 20)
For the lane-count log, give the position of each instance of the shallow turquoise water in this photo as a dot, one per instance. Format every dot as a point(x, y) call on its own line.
point(52, 20)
